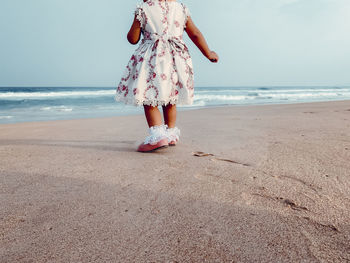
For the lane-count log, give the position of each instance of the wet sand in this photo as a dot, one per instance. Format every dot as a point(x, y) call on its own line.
point(245, 184)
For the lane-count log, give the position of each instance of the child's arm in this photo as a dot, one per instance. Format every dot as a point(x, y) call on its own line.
point(134, 32)
point(198, 39)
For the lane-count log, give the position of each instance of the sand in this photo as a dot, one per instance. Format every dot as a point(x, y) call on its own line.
point(273, 186)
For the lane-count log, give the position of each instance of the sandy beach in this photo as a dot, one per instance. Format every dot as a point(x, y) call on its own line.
point(266, 183)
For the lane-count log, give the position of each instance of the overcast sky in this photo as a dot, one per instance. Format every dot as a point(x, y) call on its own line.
point(260, 42)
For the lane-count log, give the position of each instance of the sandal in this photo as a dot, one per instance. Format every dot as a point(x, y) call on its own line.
point(156, 140)
point(152, 147)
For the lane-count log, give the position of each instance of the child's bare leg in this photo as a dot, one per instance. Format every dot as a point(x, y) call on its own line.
point(153, 116)
point(169, 112)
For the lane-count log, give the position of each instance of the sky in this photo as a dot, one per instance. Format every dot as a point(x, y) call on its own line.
point(260, 42)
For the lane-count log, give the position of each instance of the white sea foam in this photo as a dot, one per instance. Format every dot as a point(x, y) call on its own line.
point(57, 108)
point(196, 103)
point(271, 96)
point(304, 90)
point(271, 90)
point(6, 117)
point(34, 95)
point(306, 95)
point(204, 97)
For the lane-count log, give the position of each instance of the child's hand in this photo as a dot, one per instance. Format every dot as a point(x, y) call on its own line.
point(213, 57)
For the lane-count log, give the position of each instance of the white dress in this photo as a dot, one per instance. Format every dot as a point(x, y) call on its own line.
point(160, 71)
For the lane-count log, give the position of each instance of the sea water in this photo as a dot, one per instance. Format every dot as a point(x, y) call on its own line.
point(40, 103)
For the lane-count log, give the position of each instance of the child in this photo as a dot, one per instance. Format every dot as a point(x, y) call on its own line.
point(160, 71)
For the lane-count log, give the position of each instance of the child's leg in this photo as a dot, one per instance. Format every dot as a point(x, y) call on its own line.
point(169, 112)
point(153, 116)
point(158, 137)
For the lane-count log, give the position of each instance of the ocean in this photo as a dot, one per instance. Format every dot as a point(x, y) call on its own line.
point(55, 103)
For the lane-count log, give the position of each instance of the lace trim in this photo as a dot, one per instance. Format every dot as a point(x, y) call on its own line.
point(139, 14)
point(187, 13)
point(173, 134)
point(127, 100)
point(157, 133)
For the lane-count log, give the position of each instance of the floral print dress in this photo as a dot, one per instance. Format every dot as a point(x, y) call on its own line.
point(160, 71)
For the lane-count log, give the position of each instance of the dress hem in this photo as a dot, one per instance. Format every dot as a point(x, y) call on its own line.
point(136, 102)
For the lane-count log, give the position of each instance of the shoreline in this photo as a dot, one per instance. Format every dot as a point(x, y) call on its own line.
point(272, 186)
point(179, 110)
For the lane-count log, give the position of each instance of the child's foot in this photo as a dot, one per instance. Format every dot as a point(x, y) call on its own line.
point(173, 135)
point(152, 147)
point(172, 143)
point(156, 140)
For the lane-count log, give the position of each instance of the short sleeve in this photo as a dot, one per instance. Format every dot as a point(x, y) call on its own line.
point(140, 15)
point(186, 13)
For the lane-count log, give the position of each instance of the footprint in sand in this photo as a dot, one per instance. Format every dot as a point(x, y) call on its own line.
point(203, 154)
point(292, 204)
point(285, 201)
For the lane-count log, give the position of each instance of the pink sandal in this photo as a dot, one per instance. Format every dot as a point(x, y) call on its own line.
point(156, 140)
point(152, 147)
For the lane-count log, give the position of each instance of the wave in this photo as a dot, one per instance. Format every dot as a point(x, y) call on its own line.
point(305, 87)
point(200, 91)
point(266, 96)
point(200, 97)
point(5, 117)
point(81, 100)
point(18, 105)
point(224, 94)
point(55, 94)
point(57, 108)
point(308, 95)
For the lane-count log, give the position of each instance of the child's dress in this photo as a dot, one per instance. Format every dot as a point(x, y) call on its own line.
point(160, 71)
